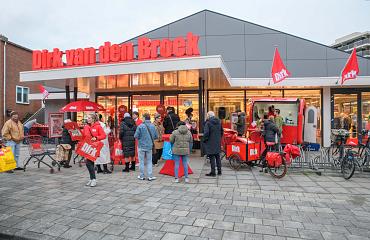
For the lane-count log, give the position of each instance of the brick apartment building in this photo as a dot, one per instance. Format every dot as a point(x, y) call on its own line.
point(14, 59)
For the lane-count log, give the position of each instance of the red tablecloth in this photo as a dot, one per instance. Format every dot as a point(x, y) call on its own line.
point(169, 165)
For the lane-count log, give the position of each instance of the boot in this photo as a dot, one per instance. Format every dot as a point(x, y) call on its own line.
point(99, 169)
point(106, 171)
point(127, 167)
point(132, 166)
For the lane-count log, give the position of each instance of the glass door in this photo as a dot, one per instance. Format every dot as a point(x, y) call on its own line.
point(145, 104)
point(345, 112)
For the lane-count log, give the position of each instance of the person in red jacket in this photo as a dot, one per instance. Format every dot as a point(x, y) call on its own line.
point(95, 132)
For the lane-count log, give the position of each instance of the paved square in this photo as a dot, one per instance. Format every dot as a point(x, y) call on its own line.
point(237, 205)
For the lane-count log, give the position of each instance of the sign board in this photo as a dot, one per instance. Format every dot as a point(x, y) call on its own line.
point(147, 49)
point(55, 124)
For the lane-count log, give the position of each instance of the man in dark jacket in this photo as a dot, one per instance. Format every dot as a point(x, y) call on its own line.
point(240, 124)
point(170, 121)
point(270, 131)
point(212, 135)
point(126, 134)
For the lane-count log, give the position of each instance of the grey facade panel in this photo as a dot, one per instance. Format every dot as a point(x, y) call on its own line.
point(221, 25)
point(258, 69)
point(302, 49)
point(231, 47)
point(335, 66)
point(236, 68)
point(251, 28)
point(333, 54)
point(158, 33)
point(195, 24)
point(307, 68)
point(261, 47)
point(362, 64)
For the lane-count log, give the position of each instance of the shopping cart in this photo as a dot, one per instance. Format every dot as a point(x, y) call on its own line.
point(38, 152)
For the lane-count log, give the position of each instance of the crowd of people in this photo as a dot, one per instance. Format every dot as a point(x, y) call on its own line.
point(142, 142)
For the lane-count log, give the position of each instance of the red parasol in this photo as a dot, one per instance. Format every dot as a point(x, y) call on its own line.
point(82, 106)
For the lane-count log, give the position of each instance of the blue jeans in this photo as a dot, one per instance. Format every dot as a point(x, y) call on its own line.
point(15, 149)
point(145, 158)
point(185, 161)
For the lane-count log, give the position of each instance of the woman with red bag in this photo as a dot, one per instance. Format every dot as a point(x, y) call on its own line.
point(95, 132)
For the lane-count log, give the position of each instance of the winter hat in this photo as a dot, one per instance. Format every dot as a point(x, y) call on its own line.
point(126, 115)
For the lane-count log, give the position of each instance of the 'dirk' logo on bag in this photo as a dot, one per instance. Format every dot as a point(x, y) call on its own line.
point(88, 149)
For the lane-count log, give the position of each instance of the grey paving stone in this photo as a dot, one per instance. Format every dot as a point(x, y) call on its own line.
point(113, 237)
point(310, 234)
point(191, 230)
point(73, 233)
point(204, 223)
point(97, 226)
point(173, 236)
point(185, 220)
point(152, 225)
point(56, 230)
point(195, 238)
point(234, 219)
point(229, 235)
point(114, 229)
point(212, 233)
point(171, 227)
point(291, 224)
point(262, 229)
point(40, 227)
point(223, 225)
point(89, 235)
point(132, 233)
point(244, 227)
point(152, 235)
point(287, 232)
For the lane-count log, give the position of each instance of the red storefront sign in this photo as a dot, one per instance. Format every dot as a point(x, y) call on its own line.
point(110, 53)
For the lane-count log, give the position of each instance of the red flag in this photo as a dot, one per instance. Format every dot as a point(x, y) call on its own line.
point(278, 72)
point(351, 70)
point(45, 93)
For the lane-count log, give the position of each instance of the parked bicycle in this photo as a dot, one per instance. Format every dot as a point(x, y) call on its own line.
point(364, 150)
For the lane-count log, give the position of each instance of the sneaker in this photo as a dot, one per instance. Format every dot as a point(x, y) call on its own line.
point(141, 178)
point(152, 178)
point(176, 180)
point(88, 183)
point(93, 183)
point(187, 180)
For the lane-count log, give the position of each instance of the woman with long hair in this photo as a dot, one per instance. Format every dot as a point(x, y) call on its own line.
point(94, 132)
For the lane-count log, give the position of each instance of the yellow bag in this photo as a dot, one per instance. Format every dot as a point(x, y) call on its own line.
point(7, 161)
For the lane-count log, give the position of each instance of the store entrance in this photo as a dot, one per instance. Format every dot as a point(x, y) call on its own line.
point(147, 102)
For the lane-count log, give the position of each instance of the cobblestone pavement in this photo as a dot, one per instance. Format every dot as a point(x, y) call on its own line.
point(237, 205)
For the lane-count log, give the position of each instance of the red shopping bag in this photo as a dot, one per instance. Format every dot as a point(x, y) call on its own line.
point(117, 153)
point(74, 131)
point(88, 149)
point(274, 159)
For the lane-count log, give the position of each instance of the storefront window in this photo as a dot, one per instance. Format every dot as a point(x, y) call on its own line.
point(188, 78)
point(225, 102)
point(187, 101)
point(313, 110)
point(145, 104)
point(146, 79)
point(345, 112)
point(83, 85)
point(365, 98)
point(170, 79)
point(123, 81)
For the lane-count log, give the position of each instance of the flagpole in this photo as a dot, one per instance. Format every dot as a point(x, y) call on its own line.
point(272, 64)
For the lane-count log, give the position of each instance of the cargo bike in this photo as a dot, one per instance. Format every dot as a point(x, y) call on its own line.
point(249, 151)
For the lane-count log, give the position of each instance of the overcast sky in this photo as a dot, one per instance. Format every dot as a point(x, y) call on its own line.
point(41, 24)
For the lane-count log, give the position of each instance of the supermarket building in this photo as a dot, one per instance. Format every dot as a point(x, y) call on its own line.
point(233, 66)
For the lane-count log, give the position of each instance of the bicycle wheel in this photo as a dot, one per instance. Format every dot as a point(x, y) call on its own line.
point(348, 166)
point(278, 172)
point(222, 155)
point(364, 154)
point(235, 162)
